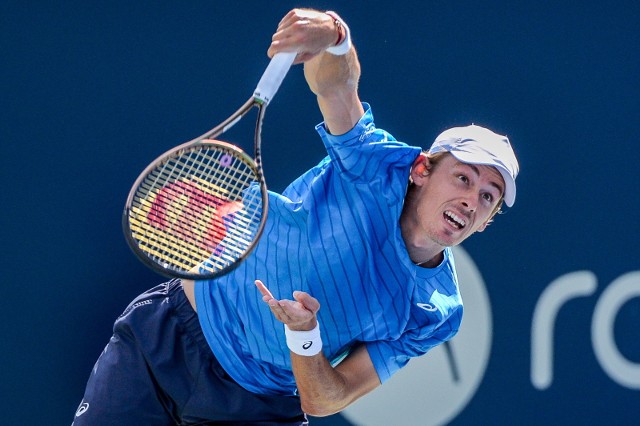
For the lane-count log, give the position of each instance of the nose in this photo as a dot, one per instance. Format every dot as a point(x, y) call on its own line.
point(469, 205)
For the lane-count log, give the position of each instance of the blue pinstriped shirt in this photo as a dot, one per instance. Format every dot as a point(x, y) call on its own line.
point(334, 233)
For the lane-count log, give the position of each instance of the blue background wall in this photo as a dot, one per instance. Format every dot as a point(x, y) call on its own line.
point(91, 92)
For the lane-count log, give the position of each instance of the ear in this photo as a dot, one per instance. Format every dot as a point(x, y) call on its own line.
point(490, 220)
point(420, 168)
point(483, 226)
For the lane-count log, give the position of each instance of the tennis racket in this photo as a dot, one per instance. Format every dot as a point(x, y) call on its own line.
point(199, 209)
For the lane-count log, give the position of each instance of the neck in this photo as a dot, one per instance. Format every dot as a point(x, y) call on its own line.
point(433, 262)
point(422, 250)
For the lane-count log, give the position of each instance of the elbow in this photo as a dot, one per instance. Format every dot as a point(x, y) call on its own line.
point(322, 407)
point(319, 410)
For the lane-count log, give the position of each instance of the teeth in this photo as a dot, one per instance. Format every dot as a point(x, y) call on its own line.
point(455, 218)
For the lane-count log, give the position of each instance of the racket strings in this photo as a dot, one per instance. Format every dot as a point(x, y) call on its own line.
point(198, 209)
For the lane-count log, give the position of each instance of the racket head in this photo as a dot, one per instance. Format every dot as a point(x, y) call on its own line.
point(197, 211)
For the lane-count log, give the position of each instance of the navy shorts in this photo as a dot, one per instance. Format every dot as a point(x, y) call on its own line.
point(158, 369)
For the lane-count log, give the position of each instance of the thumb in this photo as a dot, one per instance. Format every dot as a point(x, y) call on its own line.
point(309, 302)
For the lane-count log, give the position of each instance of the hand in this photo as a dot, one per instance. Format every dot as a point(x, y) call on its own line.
point(299, 314)
point(308, 32)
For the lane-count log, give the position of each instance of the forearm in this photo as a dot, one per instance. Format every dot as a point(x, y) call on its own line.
point(323, 390)
point(334, 80)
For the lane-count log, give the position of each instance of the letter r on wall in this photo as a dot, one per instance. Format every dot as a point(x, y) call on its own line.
point(561, 290)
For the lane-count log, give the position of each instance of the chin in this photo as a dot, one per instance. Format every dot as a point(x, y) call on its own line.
point(451, 241)
point(448, 238)
point(446, 242)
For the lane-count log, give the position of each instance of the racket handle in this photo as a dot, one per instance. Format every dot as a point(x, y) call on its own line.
point(274, 74)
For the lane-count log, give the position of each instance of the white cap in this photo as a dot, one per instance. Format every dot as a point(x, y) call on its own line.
point(477, 145)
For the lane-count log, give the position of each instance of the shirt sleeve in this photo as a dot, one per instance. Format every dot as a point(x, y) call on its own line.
point(363, 154)
point(389, 357)
point(366, 152)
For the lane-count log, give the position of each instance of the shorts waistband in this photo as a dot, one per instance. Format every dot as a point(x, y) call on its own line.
point(185, 313)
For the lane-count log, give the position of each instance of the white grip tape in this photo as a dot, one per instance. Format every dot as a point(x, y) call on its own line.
point(305, 343)
point(274, 74)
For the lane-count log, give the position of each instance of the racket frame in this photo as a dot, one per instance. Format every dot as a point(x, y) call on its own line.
point(264, 92)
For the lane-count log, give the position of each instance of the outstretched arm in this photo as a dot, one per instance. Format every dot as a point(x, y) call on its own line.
point(323, 389)
point(332, 78)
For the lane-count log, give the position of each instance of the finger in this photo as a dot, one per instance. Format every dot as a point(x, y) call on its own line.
point(285, 26)
point(307, 301)
point(289, 308)
point(288, 19)
point(275, 47)
point(280, 35)
point(294, 312)
point(279, 312)
point(264, 291)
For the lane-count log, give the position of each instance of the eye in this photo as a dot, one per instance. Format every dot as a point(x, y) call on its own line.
point(487, 197)
point(463, 178)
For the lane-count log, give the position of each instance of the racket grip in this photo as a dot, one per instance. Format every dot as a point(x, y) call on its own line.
point(274, 74)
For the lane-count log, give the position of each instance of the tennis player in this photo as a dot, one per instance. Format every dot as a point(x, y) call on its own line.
point(355, 261)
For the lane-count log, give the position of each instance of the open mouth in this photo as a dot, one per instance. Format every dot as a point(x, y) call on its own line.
point(454, 220)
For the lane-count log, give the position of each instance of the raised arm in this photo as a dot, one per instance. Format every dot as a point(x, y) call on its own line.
point(332, 78)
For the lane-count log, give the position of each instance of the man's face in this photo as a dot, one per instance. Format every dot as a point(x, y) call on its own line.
point(454, 199)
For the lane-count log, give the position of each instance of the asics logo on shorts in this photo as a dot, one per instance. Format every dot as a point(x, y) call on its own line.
point(82, 409)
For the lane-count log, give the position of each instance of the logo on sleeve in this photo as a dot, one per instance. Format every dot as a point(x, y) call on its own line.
point(427, 307)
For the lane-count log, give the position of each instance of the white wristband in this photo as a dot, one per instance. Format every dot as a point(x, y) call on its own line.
point(305, 343)
point(345, 45)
